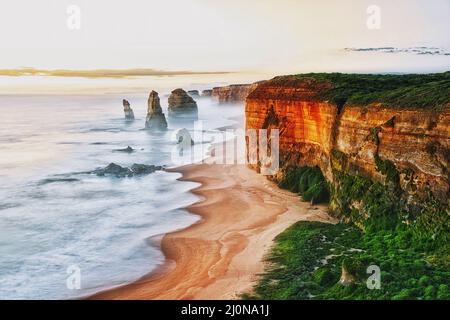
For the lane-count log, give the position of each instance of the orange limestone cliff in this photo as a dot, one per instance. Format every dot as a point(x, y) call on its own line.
point(375, 140)
point(233, 93)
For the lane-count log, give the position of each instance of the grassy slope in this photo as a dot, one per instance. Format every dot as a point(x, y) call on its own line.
point(431, 91)
point(414, 257)
point(298, 269)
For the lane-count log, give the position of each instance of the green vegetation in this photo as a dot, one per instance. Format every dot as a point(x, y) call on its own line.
point(406, 235)
point(367, 204)
point(309, 182)
point(307, 258)
point(410, 90)
point(412, 252)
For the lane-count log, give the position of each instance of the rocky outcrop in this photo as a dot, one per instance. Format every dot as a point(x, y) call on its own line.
point(156, 119)
point(129, 114)
point(118, 171)
point(194, 93)
point(405, 148)
point(182, 105)
point(126, 150)
point(207, 93)
point(234, 93)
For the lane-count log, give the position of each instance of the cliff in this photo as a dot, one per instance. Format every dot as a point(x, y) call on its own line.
point(384, 132)
point(156, 119)
point(234, 93)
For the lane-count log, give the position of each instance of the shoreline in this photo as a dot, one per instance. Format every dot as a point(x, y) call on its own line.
point(221, 255)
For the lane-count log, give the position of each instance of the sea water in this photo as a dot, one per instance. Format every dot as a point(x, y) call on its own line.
point(55, 218)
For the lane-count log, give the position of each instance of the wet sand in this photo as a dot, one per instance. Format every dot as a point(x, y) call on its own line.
point(221, 256)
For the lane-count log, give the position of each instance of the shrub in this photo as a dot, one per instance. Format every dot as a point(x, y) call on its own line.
point(309, 182)
point(306, 261)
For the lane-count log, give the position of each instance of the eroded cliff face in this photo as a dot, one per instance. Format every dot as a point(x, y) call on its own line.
point(416, 142)
point(233, 93)
point(407, 148)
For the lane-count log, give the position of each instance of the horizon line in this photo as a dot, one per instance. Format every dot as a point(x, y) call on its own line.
point(102, 73)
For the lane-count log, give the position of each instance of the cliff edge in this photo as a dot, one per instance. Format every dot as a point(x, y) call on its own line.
point(373, 136)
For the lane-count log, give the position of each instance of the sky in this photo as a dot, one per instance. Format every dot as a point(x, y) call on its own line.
point(273, 36)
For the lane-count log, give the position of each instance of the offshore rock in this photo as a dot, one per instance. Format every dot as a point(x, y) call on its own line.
point(194, 93)
point(121, 172)
point(182, 105)
point(156, 120)
point(126, 150)
point(207, 93)
point(129, 114)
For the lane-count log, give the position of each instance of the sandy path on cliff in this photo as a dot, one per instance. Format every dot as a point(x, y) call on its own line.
point(221, 256)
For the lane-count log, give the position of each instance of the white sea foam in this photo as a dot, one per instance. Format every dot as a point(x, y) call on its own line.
point(102, 225)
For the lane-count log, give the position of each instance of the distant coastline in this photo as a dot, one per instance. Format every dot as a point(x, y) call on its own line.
point(103, 73)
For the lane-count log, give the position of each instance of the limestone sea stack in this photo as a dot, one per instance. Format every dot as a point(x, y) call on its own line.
point(182, 105)
point(156, 120)
point(129, 114)
point(194, 93)
point(207, 93)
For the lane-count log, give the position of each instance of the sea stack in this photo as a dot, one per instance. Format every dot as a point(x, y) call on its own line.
point(129, 114)
point(207, 93)
point(182, 105)
point(156, 120)
point(194, 93)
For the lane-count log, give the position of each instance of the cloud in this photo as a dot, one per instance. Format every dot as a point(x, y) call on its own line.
point(434, 51)
point(101, 73)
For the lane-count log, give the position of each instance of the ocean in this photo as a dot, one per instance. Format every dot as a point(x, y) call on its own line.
point(55, 218)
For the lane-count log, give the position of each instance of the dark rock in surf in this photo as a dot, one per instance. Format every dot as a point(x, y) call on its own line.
point(126, 150)
point(114, 170)
point(57, 180)
point(141, 169)
point(121, 172)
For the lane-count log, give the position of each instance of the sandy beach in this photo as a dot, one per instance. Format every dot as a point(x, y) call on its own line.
point(221, 256)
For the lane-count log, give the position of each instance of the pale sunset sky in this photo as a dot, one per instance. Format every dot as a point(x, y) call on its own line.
point(275, 36)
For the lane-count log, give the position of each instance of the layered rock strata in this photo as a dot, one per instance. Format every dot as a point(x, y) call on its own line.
point(156, 119)
point(405, 148)
point(233, 93)
point(182, 105)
